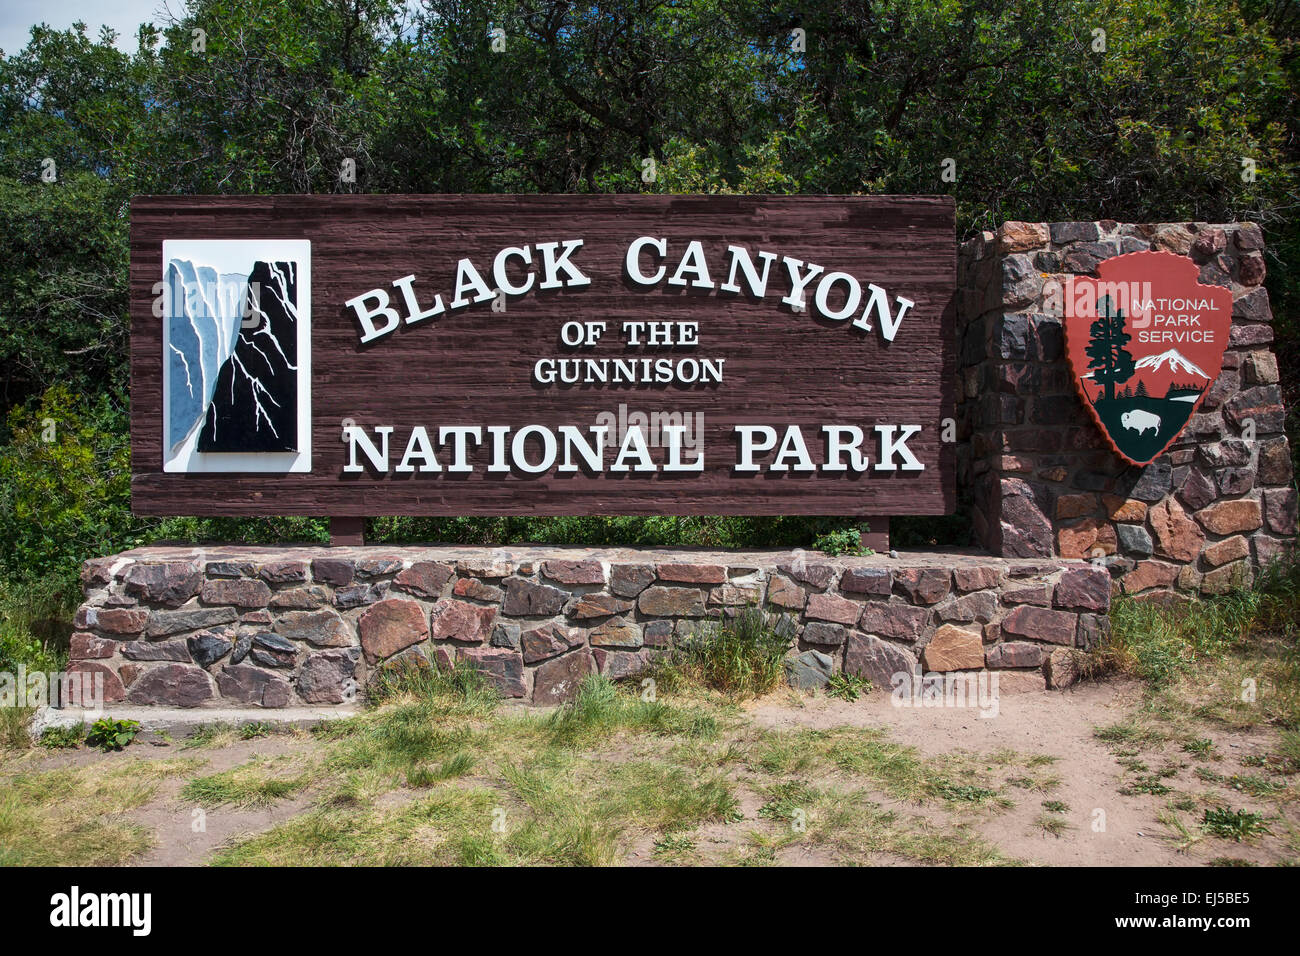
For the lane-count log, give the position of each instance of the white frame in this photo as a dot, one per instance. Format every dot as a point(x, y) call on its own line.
point(238, 255)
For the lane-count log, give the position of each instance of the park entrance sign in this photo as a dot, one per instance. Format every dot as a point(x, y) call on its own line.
point(463, 355)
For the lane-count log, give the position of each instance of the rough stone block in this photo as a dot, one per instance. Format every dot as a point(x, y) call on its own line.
point(587, 606)
point(239, 592)
point(503, 669)
point(1083, 589)
point(252, 685)
point(832, 607)
point(629, 580)
point(1040, 624)
point(324, 628)
point(870, 581)
point(953, 649)
point(660, 601)
point(616, 632)
point(692, 573)
point(876, 660)
point(547, 640)
point(923, 585)
point(171, 583)
point(391, 626)
point(574, 572)
point(172, 685)
point(1014, 654)
point(1228, 517)
point(558, 680)
point(336, 572)
point(897, 621)
point(811, 670)
point(424, 579)
point(528, 599)
point(327, 677)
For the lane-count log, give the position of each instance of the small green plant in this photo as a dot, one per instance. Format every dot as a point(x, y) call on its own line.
point(109, 734)
point(1051, 825)
point(1255, 786)
point(205, 734)
point(963, 793)
point(57, 738)
point(1235, 825)
point(254, 729)
point(848, 686)
point(839, 541)
point(674, 846)
point(1149, 784)
point(1121, 733)
point(1055, 806)
point(1199, 746)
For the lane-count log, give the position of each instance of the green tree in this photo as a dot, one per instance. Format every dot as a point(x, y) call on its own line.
point(1110, 363)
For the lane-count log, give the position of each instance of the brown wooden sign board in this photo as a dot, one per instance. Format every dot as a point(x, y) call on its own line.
point(550, 355)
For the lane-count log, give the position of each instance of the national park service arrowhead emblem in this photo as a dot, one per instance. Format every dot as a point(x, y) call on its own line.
point(1145, 341)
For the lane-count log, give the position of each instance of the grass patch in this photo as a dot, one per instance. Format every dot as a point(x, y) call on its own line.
point(1182, 836)
point(258, 783)
point(562, 812)
point(583, 784)
point(211, 735)
point(35, 621)
point(77, 816)
point(1051, 824)
point(444, 828)
point(602, 709)
point(14, 722)
point(740, 658)
point(1157, 644)
point(1232, 659)
point(1128, 732)
point(1149, 784)
point(254, 729)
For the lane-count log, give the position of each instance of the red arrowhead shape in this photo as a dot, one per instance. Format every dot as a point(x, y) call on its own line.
point(1145, 341)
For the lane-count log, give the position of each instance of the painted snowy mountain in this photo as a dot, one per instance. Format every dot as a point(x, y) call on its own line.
point(254, 406)
point(1176, 362)
point(204, 311)
point(1173, 362)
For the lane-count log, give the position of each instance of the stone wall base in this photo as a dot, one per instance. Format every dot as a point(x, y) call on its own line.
point(284, 627)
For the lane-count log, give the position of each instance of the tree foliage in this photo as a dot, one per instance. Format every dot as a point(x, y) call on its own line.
point(1140, 110)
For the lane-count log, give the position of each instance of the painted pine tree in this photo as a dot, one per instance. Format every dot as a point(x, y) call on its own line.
point(1110, 363)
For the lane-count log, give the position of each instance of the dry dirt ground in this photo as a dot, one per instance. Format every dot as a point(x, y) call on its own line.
point(1060, 725)
point(1091, 822)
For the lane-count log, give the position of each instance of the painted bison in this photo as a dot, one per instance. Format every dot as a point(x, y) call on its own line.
point(1139, 421)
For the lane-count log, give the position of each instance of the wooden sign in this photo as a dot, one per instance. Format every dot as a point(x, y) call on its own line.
point(492, 355)
point(1145, 340)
